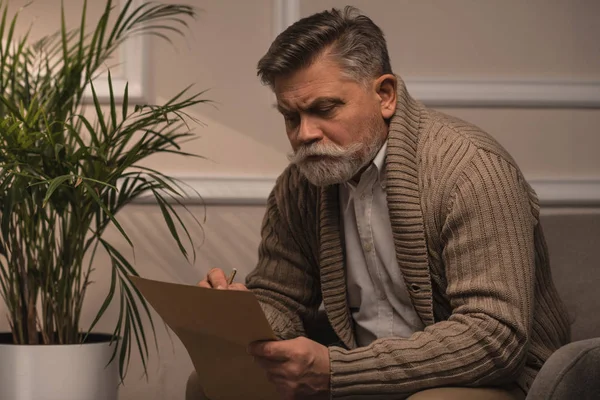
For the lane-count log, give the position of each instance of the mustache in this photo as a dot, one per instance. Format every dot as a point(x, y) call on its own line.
point(329, 150)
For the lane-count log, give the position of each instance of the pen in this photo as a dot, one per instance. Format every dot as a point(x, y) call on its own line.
point(231, 276)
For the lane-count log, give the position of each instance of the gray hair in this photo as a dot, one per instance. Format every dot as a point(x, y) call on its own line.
point(352, 39)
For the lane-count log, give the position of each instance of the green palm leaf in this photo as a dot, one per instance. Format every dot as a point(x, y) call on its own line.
point(64, 176)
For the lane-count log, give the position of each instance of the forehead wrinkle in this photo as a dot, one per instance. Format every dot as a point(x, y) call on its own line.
point(307, 94)
point(304, 93)
point(300, 90)
point(335, 100)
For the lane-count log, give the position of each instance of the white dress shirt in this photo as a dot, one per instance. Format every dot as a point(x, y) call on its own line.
point(379, 301)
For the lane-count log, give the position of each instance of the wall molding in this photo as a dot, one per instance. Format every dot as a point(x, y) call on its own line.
point(555, 93)
point(254, 190)
point(221, 190)
point(470, 92)
point(133, 62)
point(567, 193)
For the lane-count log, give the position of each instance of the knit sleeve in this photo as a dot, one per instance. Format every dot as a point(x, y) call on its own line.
point(286, 280)
point(488, 255)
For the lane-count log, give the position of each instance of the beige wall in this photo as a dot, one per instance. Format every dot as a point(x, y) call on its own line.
point(489, 38)
point(546, 143)
point(448, 39)
point(243, 136)
point(457, 39)
point(224, 47)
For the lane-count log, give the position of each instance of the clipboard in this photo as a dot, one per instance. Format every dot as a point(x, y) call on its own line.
point(215, 326)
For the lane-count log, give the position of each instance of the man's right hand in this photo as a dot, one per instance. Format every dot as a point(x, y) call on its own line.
point(216, 279)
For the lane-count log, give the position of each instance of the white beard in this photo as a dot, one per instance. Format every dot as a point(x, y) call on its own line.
point(337, 164)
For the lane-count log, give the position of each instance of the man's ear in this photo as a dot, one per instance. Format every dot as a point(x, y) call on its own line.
point(385, 87)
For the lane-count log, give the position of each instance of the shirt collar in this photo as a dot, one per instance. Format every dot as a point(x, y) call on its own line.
point(379, 162)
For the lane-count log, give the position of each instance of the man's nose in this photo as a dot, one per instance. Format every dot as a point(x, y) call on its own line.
point(309, 131)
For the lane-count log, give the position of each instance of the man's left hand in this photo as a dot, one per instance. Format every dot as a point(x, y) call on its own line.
point(299, 367)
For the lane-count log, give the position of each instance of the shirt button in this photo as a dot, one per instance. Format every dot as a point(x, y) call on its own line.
point(363, 196)
point(367, 247)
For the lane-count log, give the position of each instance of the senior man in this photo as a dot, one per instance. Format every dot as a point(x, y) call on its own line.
point(416, 230)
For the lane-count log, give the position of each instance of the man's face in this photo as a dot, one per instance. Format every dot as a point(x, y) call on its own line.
point(335, 125)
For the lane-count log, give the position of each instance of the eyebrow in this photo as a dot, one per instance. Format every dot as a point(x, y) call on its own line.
point(319, 101)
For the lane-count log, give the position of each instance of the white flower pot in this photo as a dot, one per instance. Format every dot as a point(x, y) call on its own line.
point(58, 372)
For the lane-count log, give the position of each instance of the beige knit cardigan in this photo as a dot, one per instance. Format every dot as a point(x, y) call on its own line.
point(470, 247)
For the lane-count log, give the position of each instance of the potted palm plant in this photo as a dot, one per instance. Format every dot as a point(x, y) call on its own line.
point(64, 176)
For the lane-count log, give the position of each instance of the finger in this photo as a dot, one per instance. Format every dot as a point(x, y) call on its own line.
point(275, 368)
point(273, 350)
point(204, 283)
point(216, 278)
point(238, 286)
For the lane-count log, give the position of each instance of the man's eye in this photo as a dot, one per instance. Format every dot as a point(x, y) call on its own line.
point(324, 110)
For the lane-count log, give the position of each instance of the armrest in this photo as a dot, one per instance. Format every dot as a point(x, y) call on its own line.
point(570, 373)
